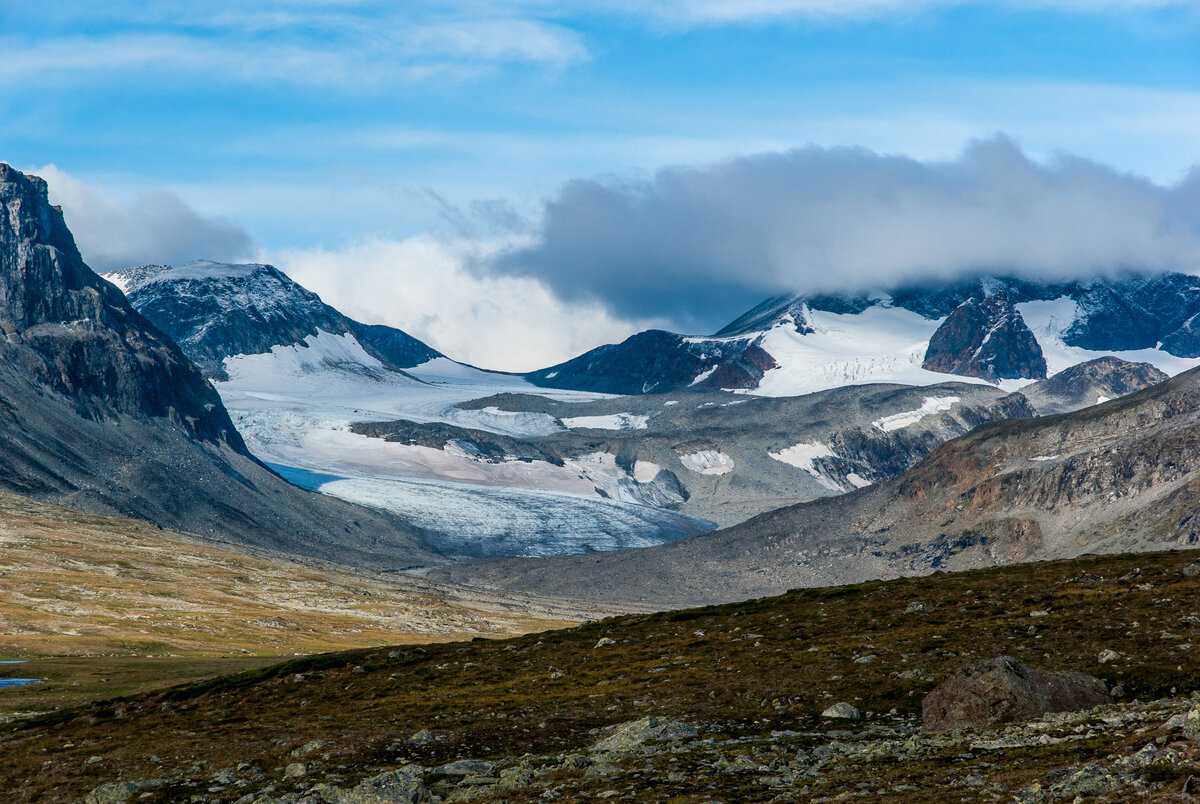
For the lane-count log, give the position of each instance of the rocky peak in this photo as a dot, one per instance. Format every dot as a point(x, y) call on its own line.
point(1090, 383)
point(986, 338)
point(74, 333)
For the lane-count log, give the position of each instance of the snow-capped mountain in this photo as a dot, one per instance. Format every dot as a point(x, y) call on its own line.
point(296, 374)
point(1001, 330)
point(216, 311)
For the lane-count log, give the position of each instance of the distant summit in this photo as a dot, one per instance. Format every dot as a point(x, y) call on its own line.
point(217, 311)
point(994, 329)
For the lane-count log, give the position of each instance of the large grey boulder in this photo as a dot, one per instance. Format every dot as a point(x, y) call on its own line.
point(399, 786)
point(1002, 690)
point(630, 737)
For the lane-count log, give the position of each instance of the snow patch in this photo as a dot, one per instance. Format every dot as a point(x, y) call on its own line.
point(613, 421)
point(857, 481)
point(802, 456)
point(323, 351)
point(645, 471)
point(704, 375)
point(932, 405)
point(1041, 458)
point(506, 422)
point(707, 462)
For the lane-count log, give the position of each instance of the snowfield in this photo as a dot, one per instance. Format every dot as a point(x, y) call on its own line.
point(294, 407)
point(1048, 320)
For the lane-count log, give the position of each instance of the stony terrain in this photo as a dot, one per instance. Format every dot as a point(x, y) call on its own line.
point(1090, 383)
point(726, 457)
point(1112, 478)
point(723, 703)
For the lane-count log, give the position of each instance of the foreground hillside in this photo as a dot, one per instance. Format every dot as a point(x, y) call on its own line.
point(1112, 478)
point(750, 678)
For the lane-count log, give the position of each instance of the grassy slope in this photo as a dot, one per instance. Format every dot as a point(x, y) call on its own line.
point(740, 669)
point(129, 597)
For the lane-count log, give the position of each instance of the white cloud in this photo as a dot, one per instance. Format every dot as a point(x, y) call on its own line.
point(694, 243)
point(156, 227)
point(427, 287)
point(334, 45)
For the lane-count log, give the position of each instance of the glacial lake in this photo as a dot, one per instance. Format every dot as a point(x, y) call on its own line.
point(16, 682)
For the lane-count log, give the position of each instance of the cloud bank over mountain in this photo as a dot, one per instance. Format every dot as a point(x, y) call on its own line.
point(698, 243)
point(156, 227)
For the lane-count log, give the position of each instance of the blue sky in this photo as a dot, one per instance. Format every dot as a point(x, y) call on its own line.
point(320, 132)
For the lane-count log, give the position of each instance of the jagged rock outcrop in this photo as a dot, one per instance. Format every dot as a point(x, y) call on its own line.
point(986, 339)
point(102, 411)
point(1002, 690)
point(1090, 383)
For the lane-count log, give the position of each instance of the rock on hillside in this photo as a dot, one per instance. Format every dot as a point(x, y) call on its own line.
point(1002, 690)
point(103, 412)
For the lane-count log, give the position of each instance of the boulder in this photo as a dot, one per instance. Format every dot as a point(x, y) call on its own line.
point(399, 786)
point(629, 737)
point(120, 792)
point(1002, 690)
point(843, 711)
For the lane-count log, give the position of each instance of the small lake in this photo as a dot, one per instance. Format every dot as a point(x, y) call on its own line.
point(16, 682)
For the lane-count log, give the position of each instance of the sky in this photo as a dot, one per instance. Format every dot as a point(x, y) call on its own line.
point(517, 181)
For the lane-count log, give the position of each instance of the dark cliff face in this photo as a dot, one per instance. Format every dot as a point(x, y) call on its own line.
point(1138, 312)
point(78, 336)
point(986, 339)
point(101, 411)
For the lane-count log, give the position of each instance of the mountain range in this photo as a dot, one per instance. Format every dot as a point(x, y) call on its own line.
point(87, 369)
point(1111, 478)
point(995, 328)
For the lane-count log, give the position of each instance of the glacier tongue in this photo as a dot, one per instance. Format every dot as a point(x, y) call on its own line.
point(295, 405)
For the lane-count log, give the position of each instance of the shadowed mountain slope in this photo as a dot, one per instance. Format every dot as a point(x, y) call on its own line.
point(103, 412)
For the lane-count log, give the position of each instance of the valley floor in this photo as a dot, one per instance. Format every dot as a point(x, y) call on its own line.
point(737, 693)
point(79, 584)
